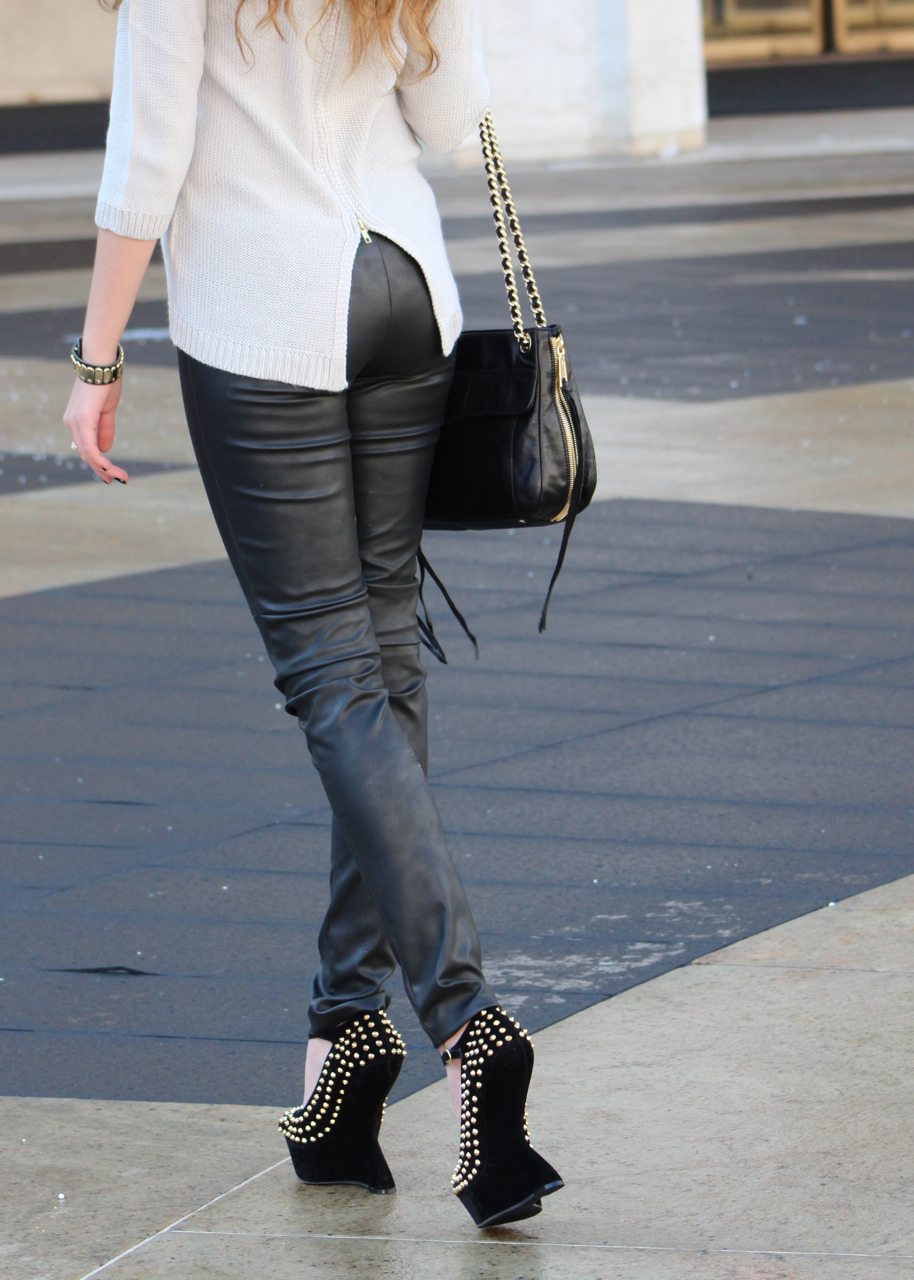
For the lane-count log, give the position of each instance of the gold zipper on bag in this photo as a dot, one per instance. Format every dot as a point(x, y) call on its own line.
point(560, 366)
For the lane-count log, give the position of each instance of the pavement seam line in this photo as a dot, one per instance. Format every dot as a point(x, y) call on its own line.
point(97, 1271)
point(544, 1244)
point(796, 968)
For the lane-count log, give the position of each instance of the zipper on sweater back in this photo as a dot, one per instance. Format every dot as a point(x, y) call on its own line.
point(329, 159)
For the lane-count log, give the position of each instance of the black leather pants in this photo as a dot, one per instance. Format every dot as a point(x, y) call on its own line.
point(319, 498)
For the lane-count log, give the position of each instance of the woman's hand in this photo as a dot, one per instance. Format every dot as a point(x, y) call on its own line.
point(89, 417)
point(120, 264)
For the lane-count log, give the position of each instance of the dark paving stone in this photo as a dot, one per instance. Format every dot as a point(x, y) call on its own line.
point(120, 824)
point(159, 643)
point(58, 866)
point(791, 763)
point(122, 1067)
point(216, 945)
point(16, 698)
point(207, 602)
point(225, 1069)
point(201, 897)
point(835, 583)
point(19, 257)
point(854, 705)
point(84, 668)
point(675, 215)
point(51, 332)
point(20, 472)
point(542, 817)
point(596, 662)
point(126, 739)
point(53, 126)
point(742, 598)
point(623, 794)
point(695, 330)
point(152, 783)
point(798, 638)
point(898, 674)
point(886, 560)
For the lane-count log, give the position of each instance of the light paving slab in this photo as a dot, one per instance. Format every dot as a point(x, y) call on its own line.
point(150, 420)
point(844, 449)
point(838, 939)
point(86, 533)
point(809, 133)
point(229, 1258)
point(64, 175)
point(41, 290)
point(82, 1180)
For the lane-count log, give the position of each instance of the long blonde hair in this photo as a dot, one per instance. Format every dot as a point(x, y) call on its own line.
point(373, 22)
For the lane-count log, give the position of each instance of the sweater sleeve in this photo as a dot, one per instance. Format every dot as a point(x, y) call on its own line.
point(158, 65)
point(442, 108)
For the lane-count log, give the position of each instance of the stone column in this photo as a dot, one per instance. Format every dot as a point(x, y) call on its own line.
point(589, 78)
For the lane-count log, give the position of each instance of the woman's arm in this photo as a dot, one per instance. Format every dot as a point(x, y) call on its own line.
point(158, 66)
point(120, 264)
point(442, 108)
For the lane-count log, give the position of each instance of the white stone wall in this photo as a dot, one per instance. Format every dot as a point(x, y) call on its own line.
point(55, 51)
point(664, 56)
point(578, 78)
point(571, 78)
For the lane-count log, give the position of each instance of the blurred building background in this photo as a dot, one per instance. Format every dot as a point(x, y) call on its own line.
point(586, 78)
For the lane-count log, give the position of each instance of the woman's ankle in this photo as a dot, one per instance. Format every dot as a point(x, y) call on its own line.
point(452, 1070)
point(315, 1057)
point(452, 1039)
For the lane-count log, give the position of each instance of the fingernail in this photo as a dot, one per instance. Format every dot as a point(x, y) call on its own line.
point(119, 480)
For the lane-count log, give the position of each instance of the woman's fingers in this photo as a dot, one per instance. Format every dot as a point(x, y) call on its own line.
point(89, 418)
point(103, 467)
point(83, 434)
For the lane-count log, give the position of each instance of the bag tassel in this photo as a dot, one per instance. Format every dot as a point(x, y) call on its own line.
point(576, 491)
point(426, 630)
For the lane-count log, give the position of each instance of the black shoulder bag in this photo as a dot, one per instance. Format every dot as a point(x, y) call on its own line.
point(515, 449)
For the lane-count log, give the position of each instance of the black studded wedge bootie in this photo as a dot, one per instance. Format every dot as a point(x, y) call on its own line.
point(499, 1177)
point(333, 1137)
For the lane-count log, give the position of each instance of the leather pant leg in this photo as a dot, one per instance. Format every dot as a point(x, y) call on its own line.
point(386, 415)
point(357, 960)
point(282, 467)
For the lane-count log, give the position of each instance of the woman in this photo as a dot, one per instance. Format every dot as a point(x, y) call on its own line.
point(271, 145)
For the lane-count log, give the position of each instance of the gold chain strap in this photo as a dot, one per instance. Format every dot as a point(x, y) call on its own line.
point(500, 193)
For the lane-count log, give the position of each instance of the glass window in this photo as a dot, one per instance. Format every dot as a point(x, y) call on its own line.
point(871, 25)
point(739, 30)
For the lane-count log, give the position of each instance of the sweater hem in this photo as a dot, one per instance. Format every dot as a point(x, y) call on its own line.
point(130, 222)
point(276, 364)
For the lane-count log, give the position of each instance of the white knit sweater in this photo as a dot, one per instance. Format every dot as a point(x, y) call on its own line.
point(256, 177)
